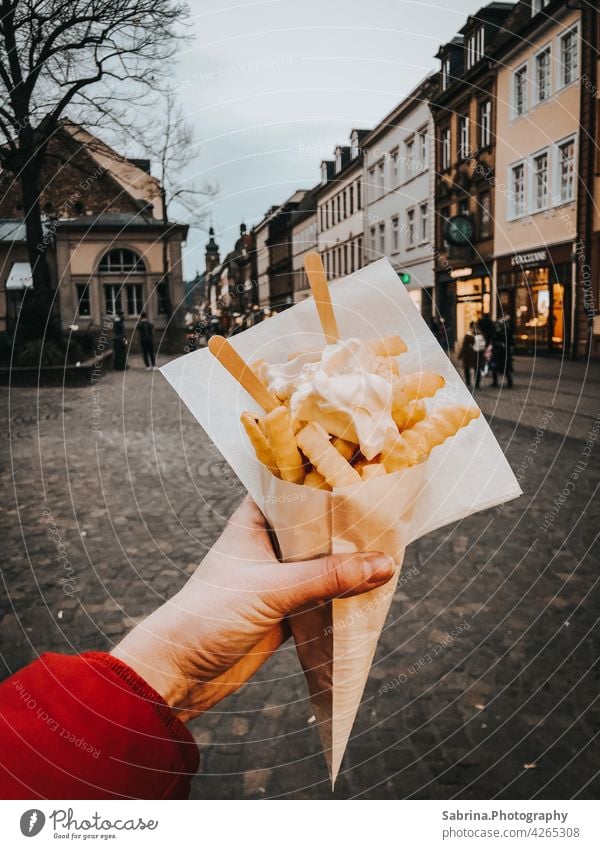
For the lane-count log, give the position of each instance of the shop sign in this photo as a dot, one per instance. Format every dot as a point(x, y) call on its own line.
point(532, 258)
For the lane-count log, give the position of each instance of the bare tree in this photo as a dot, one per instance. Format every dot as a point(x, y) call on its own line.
point(91, 58)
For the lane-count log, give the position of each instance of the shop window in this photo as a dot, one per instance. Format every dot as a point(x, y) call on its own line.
point(84, 304)
point(135, 298)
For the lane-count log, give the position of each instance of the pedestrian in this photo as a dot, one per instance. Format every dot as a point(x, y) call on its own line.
point(111, 726)
point(119, 342)
point(146, 331)
point(502, 354)
point(486, 327)
point(471, 354)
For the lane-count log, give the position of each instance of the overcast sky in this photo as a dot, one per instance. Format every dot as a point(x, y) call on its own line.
point(272, 86)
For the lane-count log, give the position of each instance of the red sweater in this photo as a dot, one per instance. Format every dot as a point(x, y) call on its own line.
point(88, 727)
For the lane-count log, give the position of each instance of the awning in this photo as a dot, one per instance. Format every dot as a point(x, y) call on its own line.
point(20, 276)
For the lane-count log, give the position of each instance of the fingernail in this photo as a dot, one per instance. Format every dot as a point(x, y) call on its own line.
point(382, 568)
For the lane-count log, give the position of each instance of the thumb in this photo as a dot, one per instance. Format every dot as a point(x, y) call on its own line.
point(333, 576)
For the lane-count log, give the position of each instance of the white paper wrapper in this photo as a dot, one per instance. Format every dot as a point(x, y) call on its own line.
point(469, 472)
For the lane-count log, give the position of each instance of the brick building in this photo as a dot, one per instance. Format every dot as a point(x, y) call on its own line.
point(108, 245)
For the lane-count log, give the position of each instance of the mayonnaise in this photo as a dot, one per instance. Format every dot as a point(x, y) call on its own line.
point(339, 389)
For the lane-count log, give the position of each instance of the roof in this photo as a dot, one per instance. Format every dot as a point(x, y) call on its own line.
point(13, 230)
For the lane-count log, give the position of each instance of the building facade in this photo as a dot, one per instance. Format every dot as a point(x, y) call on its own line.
point(463, 103)
point(340, 225)
point(109, 248)
point(304, 240)
point(536, 231)
point(398, 190)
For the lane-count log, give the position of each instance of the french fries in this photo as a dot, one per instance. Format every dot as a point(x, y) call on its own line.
point(414, 445)
point(279, 432)
point(259, 441)
point(315, 444)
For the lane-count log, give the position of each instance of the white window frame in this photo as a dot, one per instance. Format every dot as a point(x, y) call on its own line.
point(485, 129)
point(557, 199)
point(524, 67)
point(464, 136)
point(446, 148)
point(423, 137)
point(410, 227)
point(445, 73)
point(537, 6)
point(373, 244)
point(382, 238)
point(394, 157)
point(423, 222)
point(409, 157)
point(533, 208)
point(381, 177)
point(395, 234)
point(562, 83)
point(547, 48)
point(515, 214)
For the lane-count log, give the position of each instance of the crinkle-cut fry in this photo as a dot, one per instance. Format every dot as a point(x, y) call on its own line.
point(405, 417)
point(373, 470)
point(280, 434)
point(413, 387)
point(346, 448)
point(387, 346)
point(414, 446)
point(315, 444)
point(259, 442)
point(316, 480)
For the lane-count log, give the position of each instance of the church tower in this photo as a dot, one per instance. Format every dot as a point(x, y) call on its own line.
point(211, 255)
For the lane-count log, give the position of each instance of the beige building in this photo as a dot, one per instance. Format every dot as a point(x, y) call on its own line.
point(535, 234)
point(304, 240)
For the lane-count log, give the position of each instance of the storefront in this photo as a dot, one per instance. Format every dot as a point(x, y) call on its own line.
point(534, 291)
point(463, 296)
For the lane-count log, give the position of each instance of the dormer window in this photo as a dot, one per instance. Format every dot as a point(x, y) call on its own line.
point(475, 47)
point(354, 145)
point(445, 73)
point(538, 5)
point(338, 160)
point(323, 173)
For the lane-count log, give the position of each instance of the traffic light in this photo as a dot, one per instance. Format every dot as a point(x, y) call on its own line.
point(404, 277)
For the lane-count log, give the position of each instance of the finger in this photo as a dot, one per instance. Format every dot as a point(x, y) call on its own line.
point(212, 692)
point(334, 576)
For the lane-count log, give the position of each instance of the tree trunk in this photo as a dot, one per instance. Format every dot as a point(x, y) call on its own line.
point(38, 313)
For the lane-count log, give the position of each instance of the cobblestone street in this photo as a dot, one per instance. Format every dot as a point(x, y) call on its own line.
point(508, 707)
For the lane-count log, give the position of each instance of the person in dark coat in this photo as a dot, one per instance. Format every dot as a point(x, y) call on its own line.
point(119, 342)
point(501, 353)
point(146, 331)
point(486, 327)
point(471, 354)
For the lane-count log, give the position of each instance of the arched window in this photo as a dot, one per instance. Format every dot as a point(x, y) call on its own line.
point(121, 261)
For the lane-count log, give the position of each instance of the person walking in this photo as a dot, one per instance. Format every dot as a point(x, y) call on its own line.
point(146, 331)
point(502, 354)
point(471, 352)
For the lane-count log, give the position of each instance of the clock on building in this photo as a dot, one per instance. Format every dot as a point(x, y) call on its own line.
point(459, 230)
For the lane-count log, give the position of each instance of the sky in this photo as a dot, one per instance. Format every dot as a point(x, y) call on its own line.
point(272, 86)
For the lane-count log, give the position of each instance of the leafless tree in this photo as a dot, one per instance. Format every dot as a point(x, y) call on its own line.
point(92, 59)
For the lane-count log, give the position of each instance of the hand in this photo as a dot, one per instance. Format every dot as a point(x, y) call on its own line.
point(212, 636)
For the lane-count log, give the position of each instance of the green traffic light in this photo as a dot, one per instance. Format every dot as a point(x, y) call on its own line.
point(404, 278)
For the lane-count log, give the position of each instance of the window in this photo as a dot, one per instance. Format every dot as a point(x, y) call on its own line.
point(538, 5)
point(445, 148)
point(463, 206)
point(566, 171)
point(485, 215)
point(346, 268)
point(394, 159)
point(423, 149)
point(323, 173)
point(351, 199)
point(463, 131)
point(445, 73)
point(121, 261)
point(84, 305)
point(542, 75)
point(163, 298)
point(373, 245)
point(354, 149)
point(520, 91)
point(112, 295)
point(410, 228)
point(359, 252)
point(485, 123)
point(423, 222)
point(382, 238)
point(409, 152)
point(372, 180)
point(338, 161)
point(475, 47)
point(135, 298)
point(518, 190)
point(568, 57)
point(345, 204)
point(540, 181)
point(380, 177)
point(358, 194)
point(395, 234)
point(338, 208)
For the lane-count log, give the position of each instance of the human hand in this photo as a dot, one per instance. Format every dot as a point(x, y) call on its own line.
point(212, 636)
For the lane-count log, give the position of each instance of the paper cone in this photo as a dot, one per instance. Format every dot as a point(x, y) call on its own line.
point(336, 641)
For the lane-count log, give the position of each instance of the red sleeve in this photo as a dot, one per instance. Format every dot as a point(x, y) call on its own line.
point(88, 727)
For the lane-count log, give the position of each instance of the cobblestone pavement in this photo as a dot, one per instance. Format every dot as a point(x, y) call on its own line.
point(485, 682)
